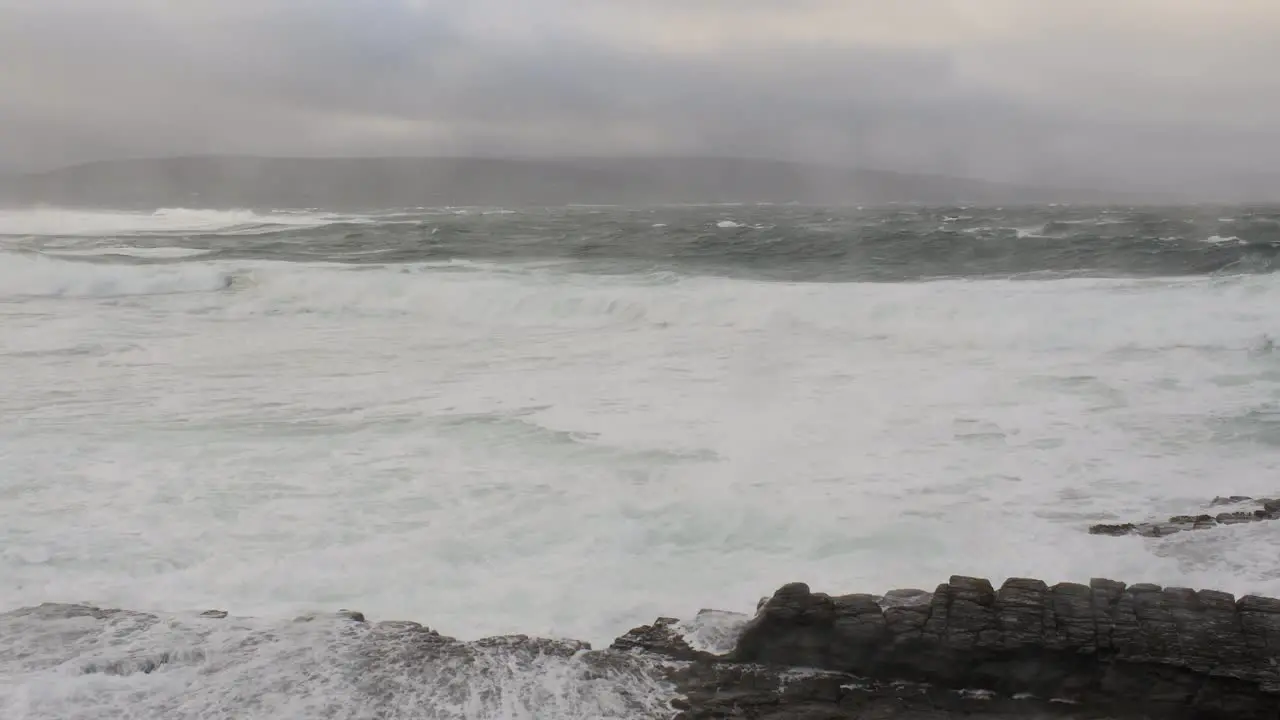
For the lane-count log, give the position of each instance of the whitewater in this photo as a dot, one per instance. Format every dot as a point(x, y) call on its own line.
point(567, 423)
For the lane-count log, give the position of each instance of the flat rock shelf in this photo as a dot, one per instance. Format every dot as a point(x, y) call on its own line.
point(1257, 510)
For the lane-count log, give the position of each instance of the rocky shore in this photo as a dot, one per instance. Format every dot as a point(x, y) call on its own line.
point(1255, 510)
point(1025, 650)
point(966, 649)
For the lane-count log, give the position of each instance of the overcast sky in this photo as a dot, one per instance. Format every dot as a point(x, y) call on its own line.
point(1118, 91)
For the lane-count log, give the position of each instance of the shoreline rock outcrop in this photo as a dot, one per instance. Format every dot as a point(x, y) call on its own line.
point(1264, 509)
point(1137, 651)
point(966, 649)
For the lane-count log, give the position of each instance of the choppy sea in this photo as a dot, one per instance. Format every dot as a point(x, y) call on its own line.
point(568, 422)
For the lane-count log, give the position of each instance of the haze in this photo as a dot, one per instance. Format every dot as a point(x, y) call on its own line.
point(1154, 94)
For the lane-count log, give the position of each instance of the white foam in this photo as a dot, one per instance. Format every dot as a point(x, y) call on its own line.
point(714, 631)
point(473, 297)
point(494, 449)
point(730, 224)
point(127, 251)
point(180, 667)
point(106, 223)
point(30, 275)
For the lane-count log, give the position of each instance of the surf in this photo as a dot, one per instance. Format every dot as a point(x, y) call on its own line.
point(27, 275)
point(71, 222)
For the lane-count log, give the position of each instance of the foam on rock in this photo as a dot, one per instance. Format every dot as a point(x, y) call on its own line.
point(967, 649)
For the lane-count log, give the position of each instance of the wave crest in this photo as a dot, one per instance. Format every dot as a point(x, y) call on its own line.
point(28, 275)
point(63, 222)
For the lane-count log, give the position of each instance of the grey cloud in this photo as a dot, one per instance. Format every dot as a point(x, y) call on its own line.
point(1023, 91)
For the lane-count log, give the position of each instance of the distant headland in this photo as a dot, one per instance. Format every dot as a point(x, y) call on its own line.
point(388, 182)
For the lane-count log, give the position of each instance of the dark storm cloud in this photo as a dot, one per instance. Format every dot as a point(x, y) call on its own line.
point(1129, 91)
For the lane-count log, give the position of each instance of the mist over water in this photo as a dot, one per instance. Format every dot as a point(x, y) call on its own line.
point(571, 421)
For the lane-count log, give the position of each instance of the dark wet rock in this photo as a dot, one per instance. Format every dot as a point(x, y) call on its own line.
point(543, 647)
point(762, 693)
point(1230, 500)
point(215, 614)
point(1103, 649)
point(58, 634)
point(141, 664)
point(404, 625)
point(66, 611)
point(351, 615)
point(1116, 529)
point(663, 637)
point(1265, 509)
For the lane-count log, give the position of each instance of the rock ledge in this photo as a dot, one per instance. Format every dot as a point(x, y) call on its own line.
point(1026, 649)
point(965, 650)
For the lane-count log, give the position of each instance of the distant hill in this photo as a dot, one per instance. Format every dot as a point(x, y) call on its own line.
point(363, 183)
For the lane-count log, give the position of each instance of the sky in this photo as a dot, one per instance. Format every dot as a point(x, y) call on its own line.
point(1124, 93)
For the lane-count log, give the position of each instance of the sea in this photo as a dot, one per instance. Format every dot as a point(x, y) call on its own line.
point(567, 422)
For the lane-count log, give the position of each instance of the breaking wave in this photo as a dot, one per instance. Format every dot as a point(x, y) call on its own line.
point(33, 275)
point(125, 251)
point(75, 663)
point(107, 223)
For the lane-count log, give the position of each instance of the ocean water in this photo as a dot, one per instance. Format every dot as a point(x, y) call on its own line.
point(569, 422)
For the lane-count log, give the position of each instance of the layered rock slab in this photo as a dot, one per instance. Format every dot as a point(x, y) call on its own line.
point(1127, 651)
